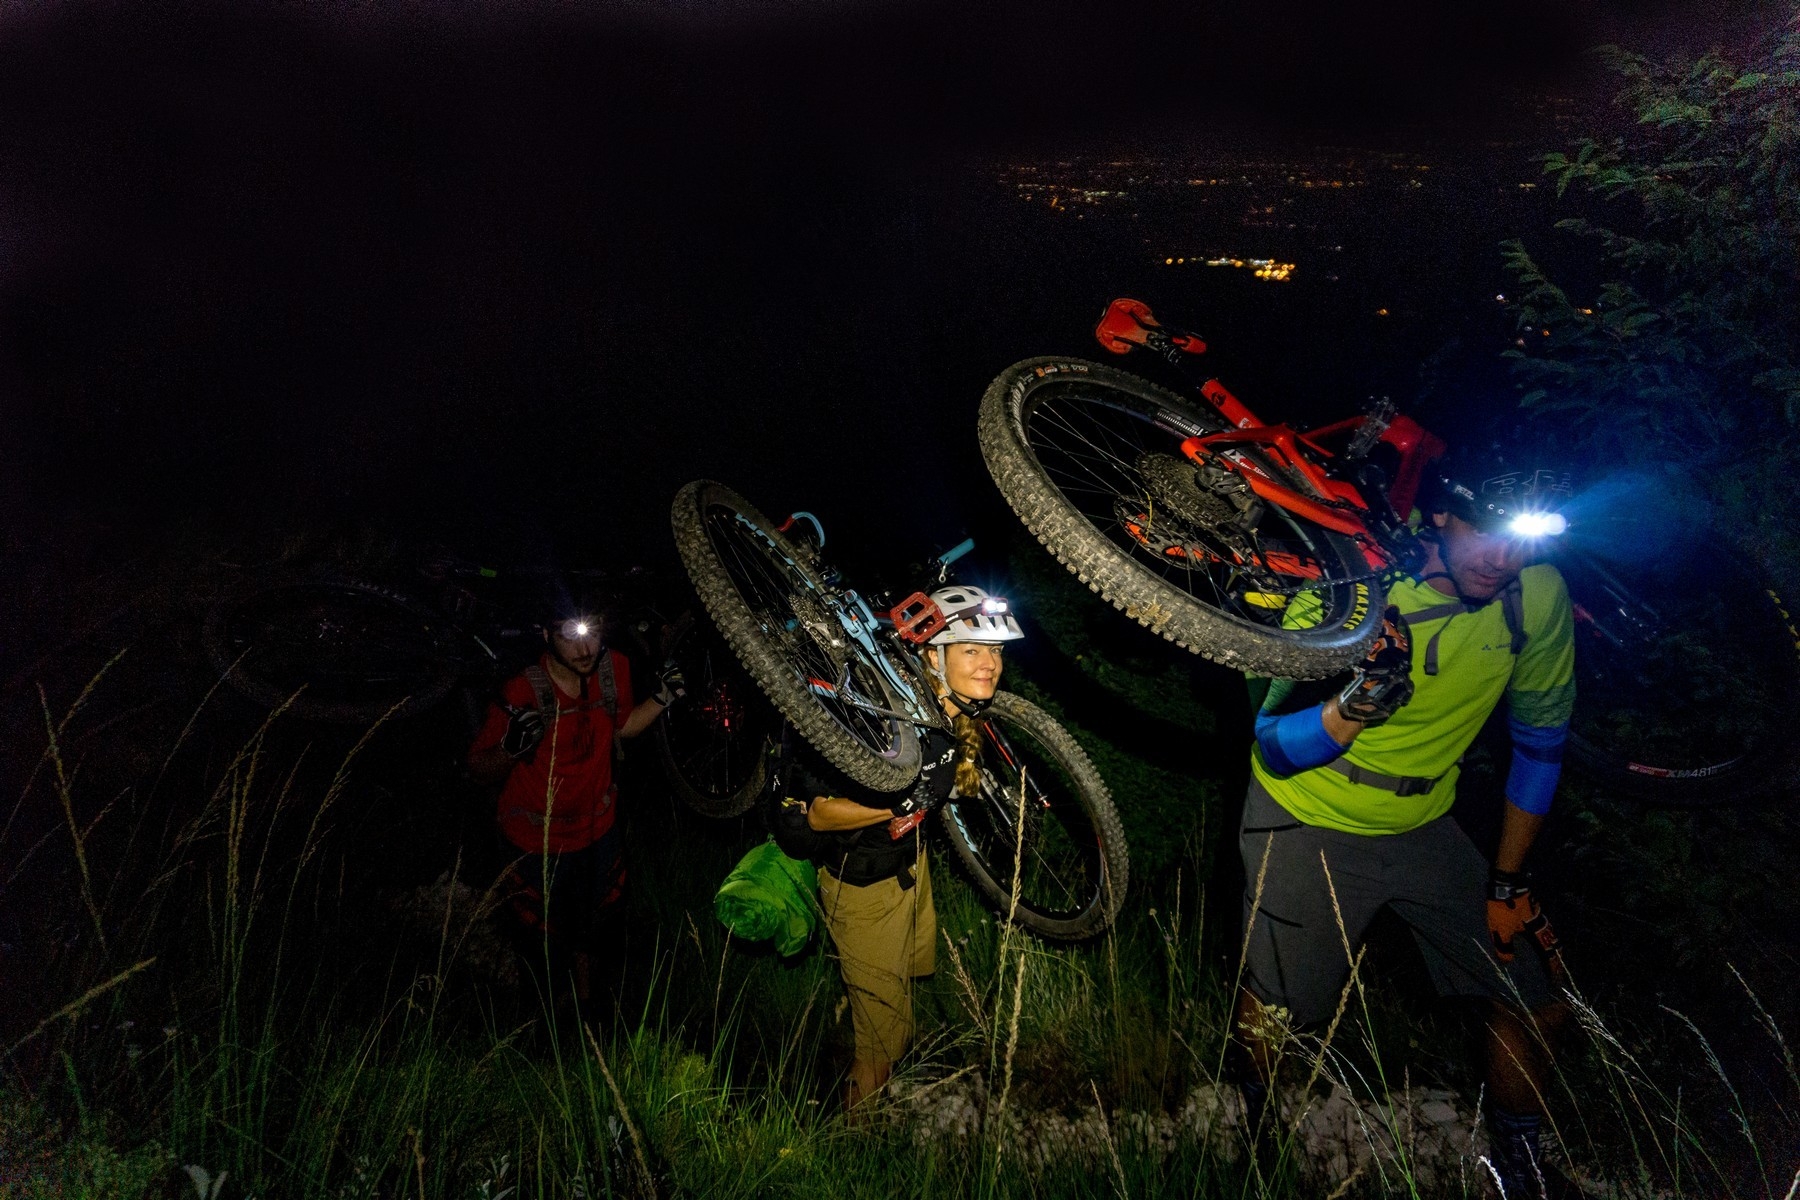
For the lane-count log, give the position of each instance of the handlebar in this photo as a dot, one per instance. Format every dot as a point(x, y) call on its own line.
point(796, 518)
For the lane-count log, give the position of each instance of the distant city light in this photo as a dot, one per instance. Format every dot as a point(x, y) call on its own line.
point(1263, 268)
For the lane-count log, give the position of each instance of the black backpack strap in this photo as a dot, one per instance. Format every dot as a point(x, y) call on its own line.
point(604, 678)
point(609, 684)
point(1436, 612)
point(1512, 605)
point(1400, 785)
point(544, 691)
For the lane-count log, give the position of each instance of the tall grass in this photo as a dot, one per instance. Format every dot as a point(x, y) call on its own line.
point(218, 1015)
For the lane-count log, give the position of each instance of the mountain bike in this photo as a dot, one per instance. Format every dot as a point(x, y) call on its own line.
point(1204, 523)
point(344, 650)
point(851, 680)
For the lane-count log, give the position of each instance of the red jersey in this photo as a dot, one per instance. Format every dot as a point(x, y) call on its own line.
point(562, 797)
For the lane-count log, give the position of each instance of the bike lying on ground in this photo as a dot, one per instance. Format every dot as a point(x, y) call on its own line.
point(348, 651)
point(853, 684)
point(1204, 523)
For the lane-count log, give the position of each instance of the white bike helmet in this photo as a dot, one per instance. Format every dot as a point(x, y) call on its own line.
point(971, 615)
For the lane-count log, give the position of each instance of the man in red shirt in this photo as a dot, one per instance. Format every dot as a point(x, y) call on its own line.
point(549, 742)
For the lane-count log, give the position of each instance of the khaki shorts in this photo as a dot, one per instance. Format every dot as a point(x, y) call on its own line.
point(885, 936)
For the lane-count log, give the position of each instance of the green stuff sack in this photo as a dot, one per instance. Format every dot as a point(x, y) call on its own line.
point(769, 895)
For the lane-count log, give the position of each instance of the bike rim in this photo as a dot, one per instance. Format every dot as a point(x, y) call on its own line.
point(333, 646)
point(713, 739)
point(1062, 871)
point(1688, 687)
point(1122, 472)
point(799, 619)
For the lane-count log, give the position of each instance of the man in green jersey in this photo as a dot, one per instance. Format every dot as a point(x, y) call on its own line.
point(1351, 787)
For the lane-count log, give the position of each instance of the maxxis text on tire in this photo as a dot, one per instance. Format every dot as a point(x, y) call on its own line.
point(1698, 715)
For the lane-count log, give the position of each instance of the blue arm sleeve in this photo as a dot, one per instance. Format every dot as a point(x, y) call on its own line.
point(1295, 742)
point(1536, 764)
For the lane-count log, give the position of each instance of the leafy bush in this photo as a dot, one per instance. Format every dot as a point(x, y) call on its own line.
point(1686, 352)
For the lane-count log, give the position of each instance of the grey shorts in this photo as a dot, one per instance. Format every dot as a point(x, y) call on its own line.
point(1432, 877)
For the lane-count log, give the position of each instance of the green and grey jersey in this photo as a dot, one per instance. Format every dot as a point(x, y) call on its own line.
point(1475, 668)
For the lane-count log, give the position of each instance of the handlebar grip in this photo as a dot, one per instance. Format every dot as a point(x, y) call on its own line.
point(955, 552)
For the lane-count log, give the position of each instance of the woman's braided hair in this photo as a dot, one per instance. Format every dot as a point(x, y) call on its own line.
point(968, 741)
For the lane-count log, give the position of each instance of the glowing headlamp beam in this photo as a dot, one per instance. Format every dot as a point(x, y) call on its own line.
point(1538, 524)
point(993, 605)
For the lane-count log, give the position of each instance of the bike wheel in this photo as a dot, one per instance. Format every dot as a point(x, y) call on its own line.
point(785, 623)
point(335, 650)
point(714, 744)
point(1089, 458)
point(1685, 677)
point(1073, 863)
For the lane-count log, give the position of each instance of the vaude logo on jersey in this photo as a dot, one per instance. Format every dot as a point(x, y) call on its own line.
point(941, 760)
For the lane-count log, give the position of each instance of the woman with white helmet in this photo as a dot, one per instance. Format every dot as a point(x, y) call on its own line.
point(874, 880)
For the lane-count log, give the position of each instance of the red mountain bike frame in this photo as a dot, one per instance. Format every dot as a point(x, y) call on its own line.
point(1290, 469)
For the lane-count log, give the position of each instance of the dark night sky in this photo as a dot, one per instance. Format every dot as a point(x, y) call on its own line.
point(516, 273)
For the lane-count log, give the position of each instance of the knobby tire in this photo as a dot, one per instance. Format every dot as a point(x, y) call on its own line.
point(1697, 711)
point(722, 539)
point(338, 651)
point(713, 744)
point(1075, 864)
point(1034, 403)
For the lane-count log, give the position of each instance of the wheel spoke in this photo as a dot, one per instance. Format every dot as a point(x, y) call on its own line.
point(772, 586)
point(1091, 451)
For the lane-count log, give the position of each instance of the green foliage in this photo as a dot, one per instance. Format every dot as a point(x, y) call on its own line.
point(1688, 350)
point(1149, 718)
point(40, 1157)
point(284, 1048)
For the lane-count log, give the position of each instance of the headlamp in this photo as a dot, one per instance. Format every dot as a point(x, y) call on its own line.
point(1538, 525)
point(993, 606)
point(575, 628)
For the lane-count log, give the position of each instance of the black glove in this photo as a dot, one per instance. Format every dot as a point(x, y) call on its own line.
point(524, 730)
point(921, 799)
point(671, 684)
point(1382, 682)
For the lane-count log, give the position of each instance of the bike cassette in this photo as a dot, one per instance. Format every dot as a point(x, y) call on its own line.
point(1212, 497)
point(820, 627)
point(1189, 507)
point(1186, 504)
